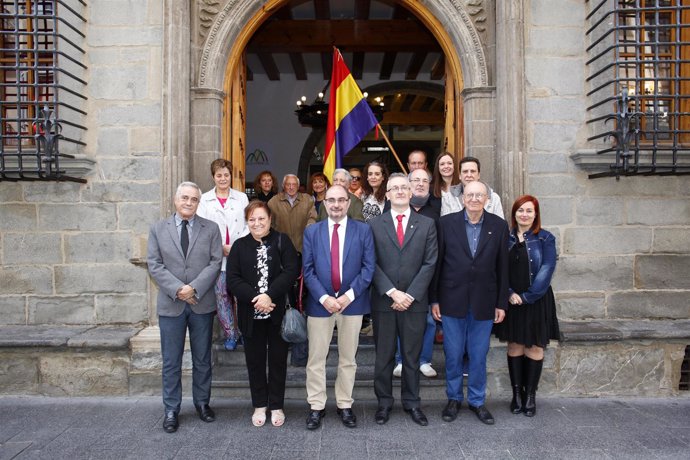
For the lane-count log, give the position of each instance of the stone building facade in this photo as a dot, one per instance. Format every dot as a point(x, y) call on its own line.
point(72, 255)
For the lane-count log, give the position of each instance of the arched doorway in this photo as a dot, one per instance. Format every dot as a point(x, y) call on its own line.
point(465, 38)
point(227, 35)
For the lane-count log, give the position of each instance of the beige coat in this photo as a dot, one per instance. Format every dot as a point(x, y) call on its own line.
point(292, 220)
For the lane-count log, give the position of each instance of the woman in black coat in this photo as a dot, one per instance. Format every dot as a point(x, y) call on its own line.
point(261, 269)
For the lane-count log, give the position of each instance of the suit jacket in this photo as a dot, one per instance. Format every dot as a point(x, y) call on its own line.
point(358, 262)
point(410, 268)
point(462, 281)
point(171, 270)
point(353, 212)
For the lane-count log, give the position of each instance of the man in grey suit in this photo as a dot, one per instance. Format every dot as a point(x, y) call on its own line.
point(406, 252)
point(184, 257)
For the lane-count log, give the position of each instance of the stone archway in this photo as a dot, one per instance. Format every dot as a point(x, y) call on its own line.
point(192, 116)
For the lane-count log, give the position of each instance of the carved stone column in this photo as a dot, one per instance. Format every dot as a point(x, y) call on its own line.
point(480, 129)
point(207, 113)
point(175, 103)
point(510, 99)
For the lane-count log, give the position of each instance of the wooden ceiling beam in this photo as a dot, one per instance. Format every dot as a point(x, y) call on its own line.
point(362, 8)
point(438, 71)
point(322, 9)
point(296, 59)
point(414, 66)
point(350, 35)
point(387, 66)
point(269, 65)
point(418, 103)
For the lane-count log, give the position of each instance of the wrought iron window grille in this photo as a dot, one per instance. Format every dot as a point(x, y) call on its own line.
point(639, 81)
point(41, 89)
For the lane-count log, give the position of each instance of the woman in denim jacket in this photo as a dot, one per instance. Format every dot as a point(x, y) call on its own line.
point(531, 320)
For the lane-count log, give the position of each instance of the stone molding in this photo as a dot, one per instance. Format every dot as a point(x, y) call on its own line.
point(459, 22)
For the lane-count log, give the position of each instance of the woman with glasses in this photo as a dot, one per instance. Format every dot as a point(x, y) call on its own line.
point(531, 320)
point(374, 196)
point(446, 184)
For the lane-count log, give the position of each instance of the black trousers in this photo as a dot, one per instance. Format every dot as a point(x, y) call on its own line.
point(266, 343)
point(388, 326)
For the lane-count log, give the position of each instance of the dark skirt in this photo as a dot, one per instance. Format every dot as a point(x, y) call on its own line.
point(530, 324)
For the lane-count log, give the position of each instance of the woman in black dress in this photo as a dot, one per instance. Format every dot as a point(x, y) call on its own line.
point(261, 268)
point(531, 319)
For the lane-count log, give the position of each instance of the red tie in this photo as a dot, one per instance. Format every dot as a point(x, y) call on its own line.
point(401, 235)
point(335, 259)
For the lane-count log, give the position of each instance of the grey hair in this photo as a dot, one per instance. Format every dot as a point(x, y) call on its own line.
point(287, 176)
point(486, 187)
point(348, 176)
point(398, 174)
point(178, 192)
point(428, 173)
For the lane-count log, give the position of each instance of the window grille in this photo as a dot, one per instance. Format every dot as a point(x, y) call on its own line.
point(639, 85)
point(41, 89)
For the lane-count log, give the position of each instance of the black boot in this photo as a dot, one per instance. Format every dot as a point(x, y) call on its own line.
point(515, 372)
point(532, 376)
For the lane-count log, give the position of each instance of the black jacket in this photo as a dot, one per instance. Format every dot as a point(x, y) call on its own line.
point(242, 276)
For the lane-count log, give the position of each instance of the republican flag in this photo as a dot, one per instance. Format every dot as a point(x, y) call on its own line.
point(349, 116)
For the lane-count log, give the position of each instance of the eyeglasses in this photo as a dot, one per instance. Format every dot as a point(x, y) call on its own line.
point(419, 181)
point(336, 200)
point(399, 188)
point(356, 178)
point(472, 196)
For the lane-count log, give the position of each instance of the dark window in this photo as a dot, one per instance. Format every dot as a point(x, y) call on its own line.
point(41, 89)
point(642, 48)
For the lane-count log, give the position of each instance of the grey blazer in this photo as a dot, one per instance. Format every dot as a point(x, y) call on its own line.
point(410, 268)
point(169, 268)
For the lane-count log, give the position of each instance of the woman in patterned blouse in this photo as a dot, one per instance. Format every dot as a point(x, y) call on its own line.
point(261, 269)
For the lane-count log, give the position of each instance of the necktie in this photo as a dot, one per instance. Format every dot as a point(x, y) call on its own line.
point(184, 237)
point(401, 235)
point(335, 259)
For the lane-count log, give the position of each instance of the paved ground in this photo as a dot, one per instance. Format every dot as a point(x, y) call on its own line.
point(564, 428)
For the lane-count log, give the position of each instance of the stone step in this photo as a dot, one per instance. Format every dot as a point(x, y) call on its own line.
point(230, 378)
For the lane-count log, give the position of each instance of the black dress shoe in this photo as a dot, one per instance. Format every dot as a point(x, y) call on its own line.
point(451, 410)
point(348, 417)
point(382, 414)
point(314, 418)
point(206, 413)
point(483, 414)
point(417, 416)
point(170, 422)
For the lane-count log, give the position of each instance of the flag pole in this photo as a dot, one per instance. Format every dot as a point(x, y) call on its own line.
point(390, 146)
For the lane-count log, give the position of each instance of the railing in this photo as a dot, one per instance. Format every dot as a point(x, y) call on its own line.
point(639, 80)
point(41, 87)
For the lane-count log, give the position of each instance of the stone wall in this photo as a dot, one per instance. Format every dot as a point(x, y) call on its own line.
point(66, 249)
point(623, 244)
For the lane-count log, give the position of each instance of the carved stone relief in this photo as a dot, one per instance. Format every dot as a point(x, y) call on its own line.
point(207, 12)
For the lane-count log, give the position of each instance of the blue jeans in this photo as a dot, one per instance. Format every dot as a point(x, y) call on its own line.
point(427, 344)
point(173, 330)
point(460, 334)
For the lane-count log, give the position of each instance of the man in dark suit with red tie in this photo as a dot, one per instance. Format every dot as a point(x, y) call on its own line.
point(338, 264)
point(406, 252)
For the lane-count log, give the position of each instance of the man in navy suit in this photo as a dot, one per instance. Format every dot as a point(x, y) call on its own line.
point(184, 256)
point(470, 293)
point(338, 258)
